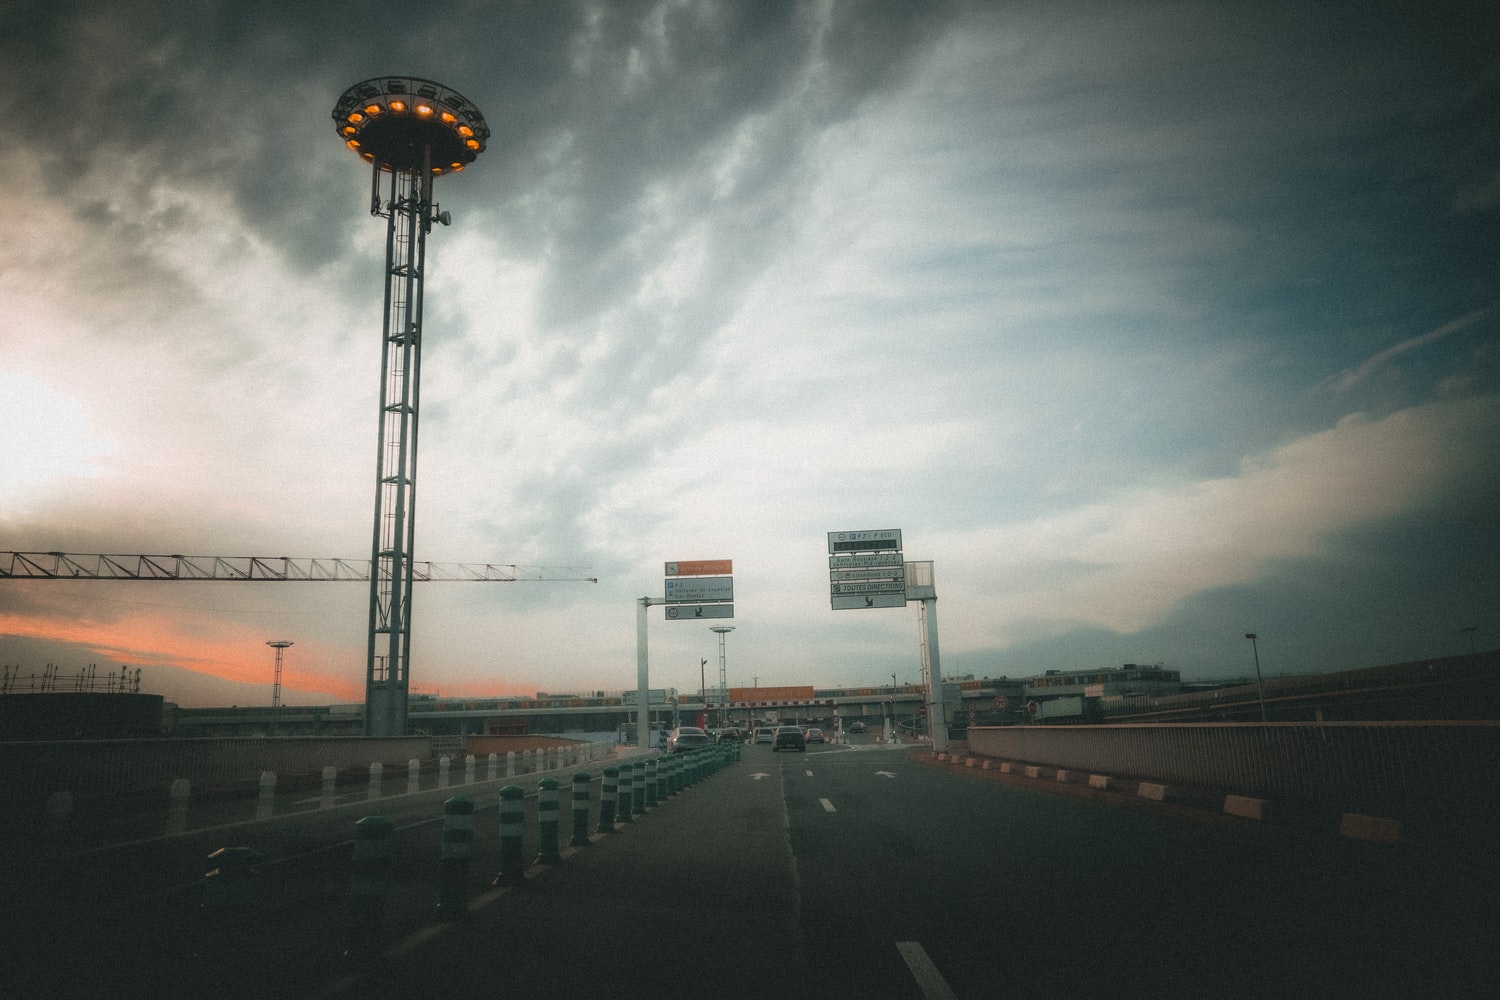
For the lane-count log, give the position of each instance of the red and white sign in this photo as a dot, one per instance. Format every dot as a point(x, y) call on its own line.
point(700, 567)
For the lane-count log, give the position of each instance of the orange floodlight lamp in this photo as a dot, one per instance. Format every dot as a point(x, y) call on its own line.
point(405, 125)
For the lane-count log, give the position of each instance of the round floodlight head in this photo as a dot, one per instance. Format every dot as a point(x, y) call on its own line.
point(401, 123)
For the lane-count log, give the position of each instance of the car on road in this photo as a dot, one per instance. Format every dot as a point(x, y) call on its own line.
point(814, 735)
point(789, 738)
point(856, 727)
point(763, 736)
point(730, 734)
point(685, 738)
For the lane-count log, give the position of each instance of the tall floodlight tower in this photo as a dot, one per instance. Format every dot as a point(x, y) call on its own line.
point(409, 131)
point(722, 630)
point(278, 645)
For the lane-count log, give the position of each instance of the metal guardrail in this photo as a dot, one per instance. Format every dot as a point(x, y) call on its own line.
point(1399, 769)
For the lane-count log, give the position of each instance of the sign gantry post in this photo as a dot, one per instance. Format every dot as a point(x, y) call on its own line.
point(694, 590)
point(866, 569)
point(920, 586)
point(642, 680)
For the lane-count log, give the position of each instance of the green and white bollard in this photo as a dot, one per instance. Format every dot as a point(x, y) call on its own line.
point(370, 880)
point(653, 783)
point(548, 822)
point(607, 799)
point(512, 826)
point(580, 836)
point(639, 786)
point(458, 852)
point(180, 792)
point(622, 806)
point(265, 804)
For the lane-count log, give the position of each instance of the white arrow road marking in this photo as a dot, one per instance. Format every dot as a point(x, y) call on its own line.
point(758, 775)
point(929, 980)
point(887, 774)
point(827, 806)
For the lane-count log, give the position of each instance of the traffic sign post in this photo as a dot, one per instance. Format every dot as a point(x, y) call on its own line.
point(866, 570)
point(700, 567)
point(682, 612)
point(696, 589)
point(846, 603)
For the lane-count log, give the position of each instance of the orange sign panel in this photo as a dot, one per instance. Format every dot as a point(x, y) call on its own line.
point(740, 695)
point(701, 567)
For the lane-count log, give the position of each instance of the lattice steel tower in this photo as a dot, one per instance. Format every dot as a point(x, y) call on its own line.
point(410, 131)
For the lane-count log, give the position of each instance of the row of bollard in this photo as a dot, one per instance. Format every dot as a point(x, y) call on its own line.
point(59, 805)
point(627, 790)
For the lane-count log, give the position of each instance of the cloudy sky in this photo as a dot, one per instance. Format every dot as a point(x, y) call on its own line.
point(1150, 324)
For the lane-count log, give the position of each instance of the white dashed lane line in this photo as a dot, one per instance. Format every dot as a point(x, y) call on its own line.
point(827, 806)
point(929, 980)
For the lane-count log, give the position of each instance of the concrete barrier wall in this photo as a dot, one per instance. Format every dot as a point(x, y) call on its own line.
point(103, 768)
point(1398, 768)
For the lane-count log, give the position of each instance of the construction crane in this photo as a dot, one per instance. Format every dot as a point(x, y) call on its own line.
point(279, 569)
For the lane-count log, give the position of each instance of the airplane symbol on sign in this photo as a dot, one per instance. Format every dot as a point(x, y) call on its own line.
point(869, 602)
point(699, 613)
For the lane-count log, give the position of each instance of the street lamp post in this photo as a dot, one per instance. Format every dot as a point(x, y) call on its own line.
point(1259, 689)
point(703, 689)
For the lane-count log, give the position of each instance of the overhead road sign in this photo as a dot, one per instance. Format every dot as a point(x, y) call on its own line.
point(869, 587)
point(880, 540)
point(895, 573)
point(698, 612)
point(849, 602)
point(700, 589)
point(700, 567)
point(892, 559)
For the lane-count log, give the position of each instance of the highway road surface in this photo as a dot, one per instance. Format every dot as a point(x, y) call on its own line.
point(843, 872)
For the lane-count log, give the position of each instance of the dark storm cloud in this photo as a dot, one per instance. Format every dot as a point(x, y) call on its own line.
point(238, 93)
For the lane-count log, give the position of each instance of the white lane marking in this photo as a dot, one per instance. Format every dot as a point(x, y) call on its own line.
point(827, 806)
point(808, 773)
point(888, 774)
point(929, 980)
point(758, 775)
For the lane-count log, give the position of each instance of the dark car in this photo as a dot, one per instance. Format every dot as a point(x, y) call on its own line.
point(788, 738)
point(685, 738)
point(857, 727)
